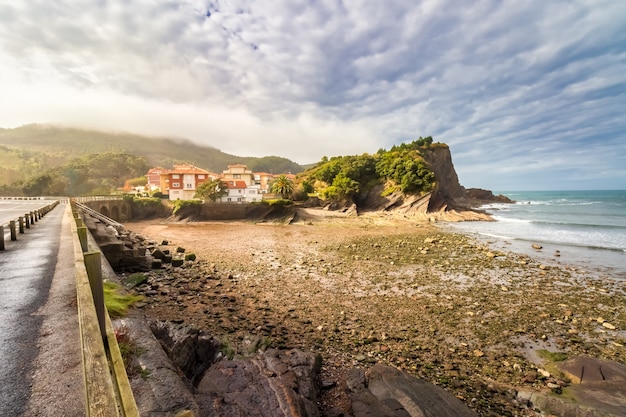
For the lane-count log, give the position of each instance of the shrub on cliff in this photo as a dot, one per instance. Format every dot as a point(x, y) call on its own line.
point(402, 168)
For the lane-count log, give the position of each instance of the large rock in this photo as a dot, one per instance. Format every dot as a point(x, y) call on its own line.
point(274, 384)
point(599, 389)
point(190, 349)
point(393, 393)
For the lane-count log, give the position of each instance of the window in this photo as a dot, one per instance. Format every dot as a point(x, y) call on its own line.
point(176, 184)
point(237, 176)
point(189, 186)
point(229, 199)
point(239, 191)
point(200, 176)
point(175, 176)
point(251, 191)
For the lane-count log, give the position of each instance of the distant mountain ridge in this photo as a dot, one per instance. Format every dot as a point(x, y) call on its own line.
point(31, 149)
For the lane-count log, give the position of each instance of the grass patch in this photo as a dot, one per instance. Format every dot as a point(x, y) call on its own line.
point(116, 301)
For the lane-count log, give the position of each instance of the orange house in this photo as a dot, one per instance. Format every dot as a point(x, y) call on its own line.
point(184, 179)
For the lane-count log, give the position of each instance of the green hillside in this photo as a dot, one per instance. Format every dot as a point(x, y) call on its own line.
point(32, 149)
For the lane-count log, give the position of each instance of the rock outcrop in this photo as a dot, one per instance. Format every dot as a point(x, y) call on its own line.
point(278, 383)
point(449, 200)
point(390, 392)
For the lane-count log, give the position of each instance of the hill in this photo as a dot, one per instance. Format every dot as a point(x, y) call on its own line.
point(29, 150)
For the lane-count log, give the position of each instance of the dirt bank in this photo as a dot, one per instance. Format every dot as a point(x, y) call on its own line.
point(383, 289)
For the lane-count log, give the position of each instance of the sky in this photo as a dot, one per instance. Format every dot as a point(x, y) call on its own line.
point(529, 95)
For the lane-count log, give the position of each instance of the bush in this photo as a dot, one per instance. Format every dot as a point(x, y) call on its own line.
point(184, 204)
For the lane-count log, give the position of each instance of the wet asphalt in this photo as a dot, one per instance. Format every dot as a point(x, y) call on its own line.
point(26, 270)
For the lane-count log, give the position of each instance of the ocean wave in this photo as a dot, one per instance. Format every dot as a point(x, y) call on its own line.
point(510, 219)
point(581, 225)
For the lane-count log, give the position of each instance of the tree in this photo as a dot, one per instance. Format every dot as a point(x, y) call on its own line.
point(282, 185)
point(211, 190)
point(307, 187)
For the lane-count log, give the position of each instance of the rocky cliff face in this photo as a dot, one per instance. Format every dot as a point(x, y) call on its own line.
point(440, 161)
point(449, 200)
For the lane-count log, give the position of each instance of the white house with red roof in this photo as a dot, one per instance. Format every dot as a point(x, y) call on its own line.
point(241, 185)
point(240, 192)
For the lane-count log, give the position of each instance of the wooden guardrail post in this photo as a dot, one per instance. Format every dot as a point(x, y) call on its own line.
point(27, 220)
point(13, 230)
point(94, 272)
point(1, 237)
point(21, 221)
point(82, 237)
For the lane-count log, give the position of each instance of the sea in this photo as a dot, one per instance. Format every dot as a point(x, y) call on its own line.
point(586, 229)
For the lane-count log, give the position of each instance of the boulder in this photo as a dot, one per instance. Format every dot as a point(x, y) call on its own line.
point(190, 349)
point(390, 392)
point(277, 383)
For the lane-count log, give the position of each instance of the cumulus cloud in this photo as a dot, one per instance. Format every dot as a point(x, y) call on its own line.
point(516, 88)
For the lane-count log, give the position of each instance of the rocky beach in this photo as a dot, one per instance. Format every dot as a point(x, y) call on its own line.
point(488, 326)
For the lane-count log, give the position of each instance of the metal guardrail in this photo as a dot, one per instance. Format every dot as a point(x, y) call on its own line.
point(93, 213)
point(21, 223)
point(107, 389)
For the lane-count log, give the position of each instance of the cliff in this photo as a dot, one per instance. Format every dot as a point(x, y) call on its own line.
point(449, 200)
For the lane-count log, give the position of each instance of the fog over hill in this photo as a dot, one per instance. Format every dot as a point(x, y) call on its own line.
point(31, 149)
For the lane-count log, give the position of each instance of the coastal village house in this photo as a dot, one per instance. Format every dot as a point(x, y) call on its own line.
point(181, 182)
point(156, 179)
point(241, 185)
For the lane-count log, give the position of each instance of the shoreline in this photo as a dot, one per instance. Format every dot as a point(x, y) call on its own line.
point(603, 261)
point(381, 289)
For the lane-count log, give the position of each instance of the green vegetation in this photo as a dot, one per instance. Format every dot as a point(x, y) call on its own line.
point(145, 202)
point(185, 204)
point(190, 257)
point(402, 168)
point(31, 150)
point(116, 301)
point(94, 174)
point(276, 202)
point(283, 186)
point(211, 190)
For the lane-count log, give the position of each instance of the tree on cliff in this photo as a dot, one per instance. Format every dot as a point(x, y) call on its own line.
point(283, 185)
point(211, 190)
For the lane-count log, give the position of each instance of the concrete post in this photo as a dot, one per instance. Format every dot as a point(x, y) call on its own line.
point(33, 219)
point(13, 230)
point(21, 220)
point(1, 237)
point(94, 272)
point(27, 220)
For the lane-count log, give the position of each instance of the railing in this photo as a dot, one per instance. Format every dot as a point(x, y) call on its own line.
point(21, 223)
point(107, 389)
point(98, 198)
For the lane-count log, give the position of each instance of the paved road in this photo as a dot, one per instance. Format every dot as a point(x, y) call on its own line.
point(26, 270)
point(12, 209)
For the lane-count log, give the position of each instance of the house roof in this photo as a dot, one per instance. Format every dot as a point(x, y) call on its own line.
point(187, 169)
point(231, 184)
